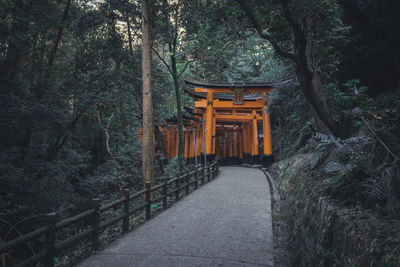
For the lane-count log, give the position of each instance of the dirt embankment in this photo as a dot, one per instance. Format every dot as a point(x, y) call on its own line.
point(325, 224)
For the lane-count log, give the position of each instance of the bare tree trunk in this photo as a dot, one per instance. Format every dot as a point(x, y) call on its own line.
point(148, 147)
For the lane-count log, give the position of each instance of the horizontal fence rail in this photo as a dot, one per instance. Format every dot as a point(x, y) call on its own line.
point(90, 219)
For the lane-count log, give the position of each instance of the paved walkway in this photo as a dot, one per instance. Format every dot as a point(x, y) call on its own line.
point(226, 222)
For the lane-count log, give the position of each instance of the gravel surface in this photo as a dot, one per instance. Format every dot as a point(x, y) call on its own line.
point(226, 222)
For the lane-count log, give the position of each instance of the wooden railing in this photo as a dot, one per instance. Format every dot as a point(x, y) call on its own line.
point(173, 187)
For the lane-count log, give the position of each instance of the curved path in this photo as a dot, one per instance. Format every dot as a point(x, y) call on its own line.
point(226, 222)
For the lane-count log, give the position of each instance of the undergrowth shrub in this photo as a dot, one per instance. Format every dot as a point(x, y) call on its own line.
point(348, 102)
point(359, 173)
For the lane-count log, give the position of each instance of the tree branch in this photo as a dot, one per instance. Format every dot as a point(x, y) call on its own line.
point(59, 34)
point(184, 68)
point(54, 148)
point(161, 58)
point(233, 39)
point(380, 141)
point(299, 35)
point(105, 129)
point(176, 28)
point(292, 21)
point(262, 34)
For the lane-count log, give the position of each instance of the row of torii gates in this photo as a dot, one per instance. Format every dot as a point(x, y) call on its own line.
point(225, 124)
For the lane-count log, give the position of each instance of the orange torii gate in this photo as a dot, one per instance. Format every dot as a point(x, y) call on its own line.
point(231, 113)
point(224, 123)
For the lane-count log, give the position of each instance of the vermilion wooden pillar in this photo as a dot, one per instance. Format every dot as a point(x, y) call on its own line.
point(240, 137)
point(235, 145)
point(255, 134)
point(193, 142)
point(209, 122)
point(169, 142)
point(190, 137)
point(199, 136)
point(176, 141)
point(245, 140)
point(223, 142)
point(191, 149)
point(186, 142)
point(230, 152)
point(250, 138)
point(217, 152)
point(213, 132)
point(267, 133)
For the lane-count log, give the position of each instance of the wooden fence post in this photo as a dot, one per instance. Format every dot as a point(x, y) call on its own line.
point(196, 177)
point(95, 224)
point(125, 221)
point(164, 192)
point(51, 239)
point(187, 182)
point(177, 188)
point(147, 199)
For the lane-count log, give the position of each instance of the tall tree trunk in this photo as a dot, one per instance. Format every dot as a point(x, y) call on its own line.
point(312, 90)
point(178, 104)
point(307, 72)
point(147, 150)
point(53, 51)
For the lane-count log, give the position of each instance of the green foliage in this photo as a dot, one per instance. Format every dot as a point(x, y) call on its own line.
point(173, 167)
point(345, 185)
point(69, 130)
point(350, 103)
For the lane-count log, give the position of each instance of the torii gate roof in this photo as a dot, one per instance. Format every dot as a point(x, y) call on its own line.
point(222, 96)
point(223, 91)
point(205, 85)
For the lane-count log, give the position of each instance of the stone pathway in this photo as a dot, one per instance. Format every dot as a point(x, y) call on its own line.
point(226, 222)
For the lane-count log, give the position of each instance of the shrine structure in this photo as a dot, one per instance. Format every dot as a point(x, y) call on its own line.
point(229, 121)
